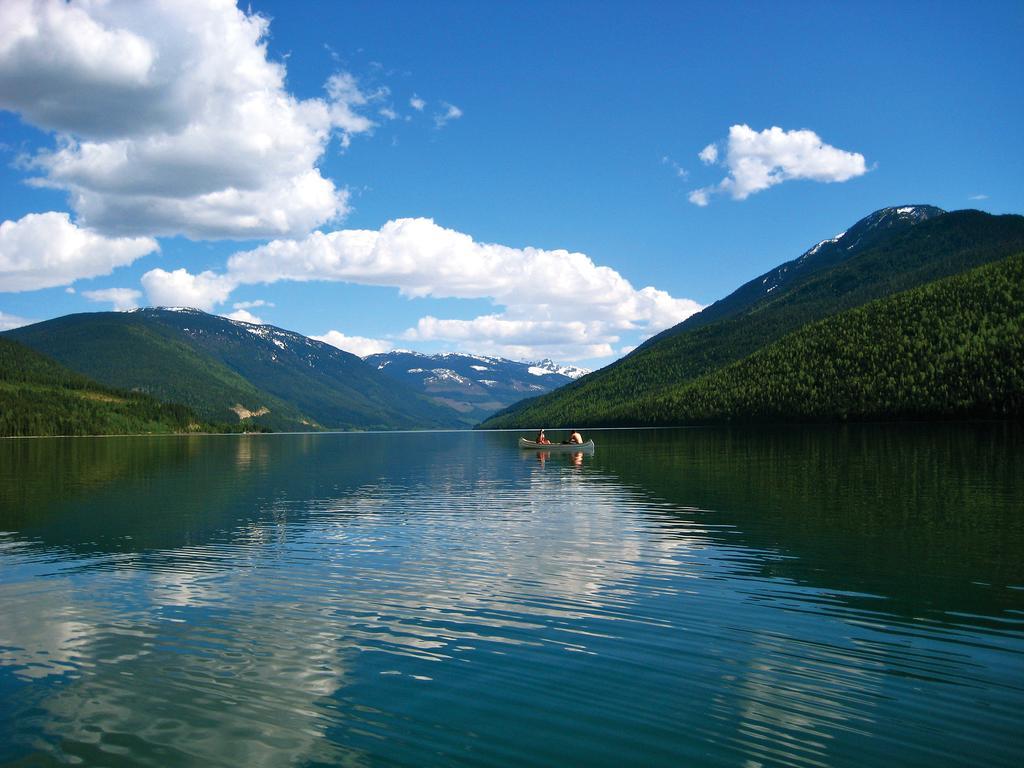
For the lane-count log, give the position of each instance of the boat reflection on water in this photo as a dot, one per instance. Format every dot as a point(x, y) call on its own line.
point(574, 459)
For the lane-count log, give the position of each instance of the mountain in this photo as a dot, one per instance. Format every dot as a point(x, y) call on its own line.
point(38, 396)
point(472, 386)
point(869, 231)
point(232, 371)
point(572, 371)
point(887, 252)
point(953, 348)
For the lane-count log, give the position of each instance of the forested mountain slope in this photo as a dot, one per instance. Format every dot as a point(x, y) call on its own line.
point(953, 348)
point(38, 396)
point(232, 371)
point(898, 259)
point(870, 231)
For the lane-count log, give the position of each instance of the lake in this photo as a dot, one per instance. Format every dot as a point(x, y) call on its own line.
point(799, 596)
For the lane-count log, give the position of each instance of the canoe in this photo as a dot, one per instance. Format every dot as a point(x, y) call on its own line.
point(587, 447)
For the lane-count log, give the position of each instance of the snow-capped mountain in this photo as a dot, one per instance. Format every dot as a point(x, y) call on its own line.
point(823, 255)
point(475, 386)
point(861, 235)
point(230, 371)
point(545, 366)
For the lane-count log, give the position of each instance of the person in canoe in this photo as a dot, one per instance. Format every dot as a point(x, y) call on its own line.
point(575, 438)
point(541, 439)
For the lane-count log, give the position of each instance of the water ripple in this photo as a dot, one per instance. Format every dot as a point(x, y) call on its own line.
point(488, 612)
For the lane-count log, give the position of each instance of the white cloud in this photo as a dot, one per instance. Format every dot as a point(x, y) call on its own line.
point(758, 160)
point(182, 289)
point(171, 119)
point(709, 155)
point(122, 298)
point(699, 197)
point(978, 197)
point(417, 103)
point(517, 339)
point(357, 345)
point(50, 52)
point(7, 322)
point(344, 93)
point(44, 250)
point(451, 112)
point(253, 304)
point(244, 316)
point(553, 300)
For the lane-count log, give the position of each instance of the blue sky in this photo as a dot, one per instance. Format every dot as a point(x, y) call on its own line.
point(518, 179)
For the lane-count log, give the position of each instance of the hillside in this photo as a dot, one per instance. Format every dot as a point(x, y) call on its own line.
point(232, 371)
point(870, 231)
point(898, 258)
point(951, 348)
point(38, 396)
point(473, 386)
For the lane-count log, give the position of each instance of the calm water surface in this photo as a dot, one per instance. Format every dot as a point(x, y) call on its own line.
point(803, 597)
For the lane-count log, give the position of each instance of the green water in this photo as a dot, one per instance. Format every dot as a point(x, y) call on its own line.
point(787, 596)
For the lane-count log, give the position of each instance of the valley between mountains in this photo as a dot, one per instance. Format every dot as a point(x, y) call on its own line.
point(912, 312)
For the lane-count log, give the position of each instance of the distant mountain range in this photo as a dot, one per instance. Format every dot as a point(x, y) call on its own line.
point(245, 376)
point(229, 371)
point(473, 386)
point(671, 378)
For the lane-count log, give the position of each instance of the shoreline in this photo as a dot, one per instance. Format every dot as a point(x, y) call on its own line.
point(732, 425)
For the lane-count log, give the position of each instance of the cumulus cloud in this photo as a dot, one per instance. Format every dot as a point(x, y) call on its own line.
point(709, 155)
point(183, 289)
point(244, 316)
point(417, 103)
point(699, 197)
point(451, 112)
point(518, 338)
point(44, 250)
point(122, 299)
point(759, 160)
point(253, 304)
point(357, 345)
point(554, 300)
point(171, 119)
point(7, 322)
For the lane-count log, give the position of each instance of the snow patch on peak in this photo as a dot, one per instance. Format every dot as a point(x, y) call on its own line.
point(446, 374)
point(813, 250)
point(545, 366)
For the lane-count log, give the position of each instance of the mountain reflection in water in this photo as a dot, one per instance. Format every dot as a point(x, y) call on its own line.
point(812, 596)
